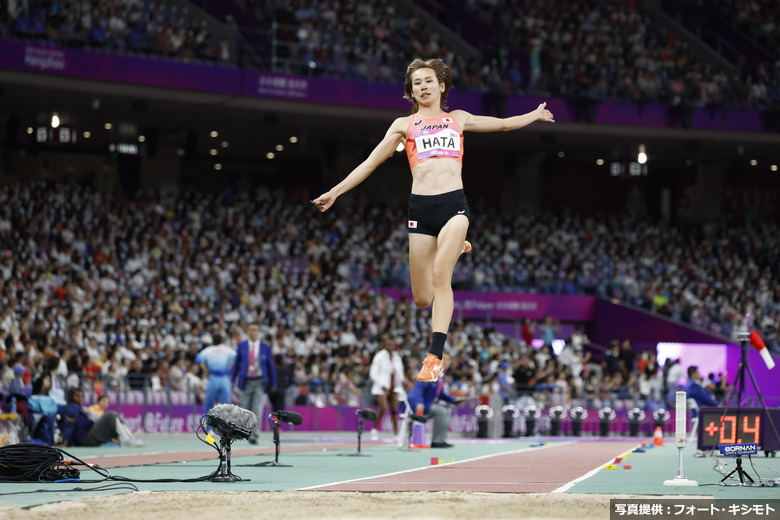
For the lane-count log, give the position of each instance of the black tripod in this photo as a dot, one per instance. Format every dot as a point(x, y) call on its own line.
point(739, 471)
point(360, 433)
point(739, 384)
point(274, 421)
point(224, 474)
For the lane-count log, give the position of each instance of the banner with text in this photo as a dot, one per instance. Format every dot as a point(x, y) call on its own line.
point(514, 306)
point(157, 71)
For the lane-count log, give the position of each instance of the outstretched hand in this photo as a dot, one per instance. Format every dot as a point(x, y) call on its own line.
point(543, 114)
point(324, 201)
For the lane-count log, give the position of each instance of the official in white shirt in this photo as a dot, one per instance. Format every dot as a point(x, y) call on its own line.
point(387, 374)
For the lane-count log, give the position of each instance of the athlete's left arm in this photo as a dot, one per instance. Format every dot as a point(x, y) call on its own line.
point(472, 123)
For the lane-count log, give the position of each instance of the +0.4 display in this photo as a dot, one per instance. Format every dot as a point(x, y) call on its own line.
point(748, 425)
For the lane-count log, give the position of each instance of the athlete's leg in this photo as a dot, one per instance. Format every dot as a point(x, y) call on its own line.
point(422, 253)
point(381, 402)
point(392, 406)
point(450, 246)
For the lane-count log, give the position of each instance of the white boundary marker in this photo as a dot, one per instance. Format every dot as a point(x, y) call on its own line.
point(679, 431)
point(533, 448)
point(590, 473)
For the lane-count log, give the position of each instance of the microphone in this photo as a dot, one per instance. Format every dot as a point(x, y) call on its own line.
point(367, 414)
point(293, 418)
point(231, 421)
point(759, 345)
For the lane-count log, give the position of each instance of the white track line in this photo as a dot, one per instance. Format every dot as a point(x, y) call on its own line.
point(534, 448)
point(453, 482)
point(590, 473)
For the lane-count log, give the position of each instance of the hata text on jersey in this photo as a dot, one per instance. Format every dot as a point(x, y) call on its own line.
point(446, 142)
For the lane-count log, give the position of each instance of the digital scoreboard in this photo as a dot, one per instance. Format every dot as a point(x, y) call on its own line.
point(744, 426)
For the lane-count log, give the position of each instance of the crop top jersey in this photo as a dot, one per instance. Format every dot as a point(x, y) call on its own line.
point(433, 137)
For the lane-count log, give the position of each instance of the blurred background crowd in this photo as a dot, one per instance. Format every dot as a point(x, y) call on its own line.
point(594, 49)
point(108, 290)
point(117, 293)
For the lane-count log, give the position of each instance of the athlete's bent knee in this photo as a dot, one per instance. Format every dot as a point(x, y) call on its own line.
point(421, 302)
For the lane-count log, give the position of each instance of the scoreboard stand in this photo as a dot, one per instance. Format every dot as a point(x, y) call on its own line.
point(746, 425)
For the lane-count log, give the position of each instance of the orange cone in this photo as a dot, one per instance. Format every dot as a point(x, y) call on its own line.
point(658, 436)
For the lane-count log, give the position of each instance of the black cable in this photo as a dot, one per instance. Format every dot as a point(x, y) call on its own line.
point(118, 478)
point(30, 462)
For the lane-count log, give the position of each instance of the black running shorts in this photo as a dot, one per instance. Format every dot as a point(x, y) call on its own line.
point(429, 213)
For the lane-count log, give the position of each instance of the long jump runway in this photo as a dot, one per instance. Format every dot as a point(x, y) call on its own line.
point(538, 470)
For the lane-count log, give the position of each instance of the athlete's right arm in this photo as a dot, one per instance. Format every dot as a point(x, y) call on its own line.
point(386, 147)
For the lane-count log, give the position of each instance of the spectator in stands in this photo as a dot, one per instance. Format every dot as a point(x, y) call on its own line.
point(195, 383)
point(673, 374)
point(612, 358)
point(124, 434)
point(178, 372)
point(550, 327)
point(78, 429)
point(137, 376)
point(44, 410)
point(506, 382)
point(628, 356)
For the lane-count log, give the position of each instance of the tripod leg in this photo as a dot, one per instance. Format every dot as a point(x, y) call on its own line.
point(763, 405)
point(276, 441)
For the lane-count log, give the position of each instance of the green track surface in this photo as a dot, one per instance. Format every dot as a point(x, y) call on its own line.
point(322, 465)
point(650, 469)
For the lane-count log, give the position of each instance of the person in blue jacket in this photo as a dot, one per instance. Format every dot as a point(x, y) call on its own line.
point(696, 391)
point(427, 394)
point(77, 429)
point(254, 374)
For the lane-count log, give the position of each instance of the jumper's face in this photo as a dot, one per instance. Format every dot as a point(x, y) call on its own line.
point(426, 88)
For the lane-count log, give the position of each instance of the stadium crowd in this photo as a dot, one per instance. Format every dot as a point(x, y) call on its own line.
point(757, 19)
point(132, 25)
point(111, 294)
point(592, 50)
point(612, 50)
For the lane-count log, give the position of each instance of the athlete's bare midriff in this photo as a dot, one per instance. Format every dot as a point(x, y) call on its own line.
point(436, 176)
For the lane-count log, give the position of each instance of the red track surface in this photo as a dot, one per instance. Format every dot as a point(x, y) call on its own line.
point(528, 471)
point(140, 459)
